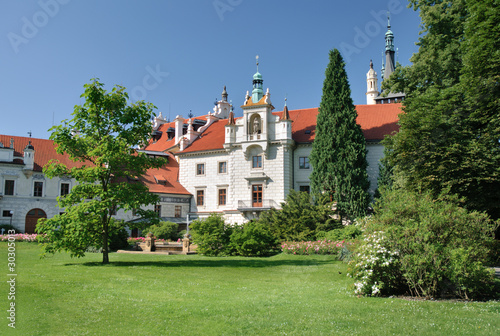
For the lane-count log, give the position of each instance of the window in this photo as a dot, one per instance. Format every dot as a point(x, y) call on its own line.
point(222, 167)
point(304, 163)
point(222, 196)
point(158, 209)
point(200, 169)
point(9, 187)
point(257, 161)
point(257, 195)
point(6, 213)
point(305, 189)
point(64, 189)
point(200, 197)
point(178, 211)
point(38, 189)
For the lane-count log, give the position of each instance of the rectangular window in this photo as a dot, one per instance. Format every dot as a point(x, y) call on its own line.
point(222, 167)
point(222, 196)
point(38, 189)
point(304, 189)
point(158, 209)
point(304, 163)
point(200, 197)
point(6, 213)
point(64, 189)
point(257, 195)
point(9, 187)
point(200, 169)
point(178, 211)
point(257, 161)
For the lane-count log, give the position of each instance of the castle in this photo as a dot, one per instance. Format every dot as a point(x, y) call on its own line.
point(238, 167)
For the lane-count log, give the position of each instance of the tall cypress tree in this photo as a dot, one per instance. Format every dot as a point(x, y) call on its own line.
point(338, 154)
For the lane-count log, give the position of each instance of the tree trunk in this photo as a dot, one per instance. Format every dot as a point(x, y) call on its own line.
point(105, 231)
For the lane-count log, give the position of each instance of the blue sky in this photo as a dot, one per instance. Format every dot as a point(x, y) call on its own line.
point(179, 54)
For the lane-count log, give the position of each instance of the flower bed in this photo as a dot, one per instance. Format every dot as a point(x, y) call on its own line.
point(133, 240)
point(22, 237)
point(314, 247)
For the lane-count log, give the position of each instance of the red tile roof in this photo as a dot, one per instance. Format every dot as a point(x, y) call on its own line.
point(163, 143)
point(376, 122)
point(45, 151)
point(213, 138)
point(170, 174)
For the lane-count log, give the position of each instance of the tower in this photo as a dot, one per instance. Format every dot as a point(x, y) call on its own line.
point(390, 64)
point(371, 85)
point(29, 156)
point(257, 91)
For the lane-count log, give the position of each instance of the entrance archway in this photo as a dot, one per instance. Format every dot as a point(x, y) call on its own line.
point(32, 218)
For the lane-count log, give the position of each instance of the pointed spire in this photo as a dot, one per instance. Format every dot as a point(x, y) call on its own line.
point(231, 120)
point(224, 94)
point(257, 91)
point(286, 114)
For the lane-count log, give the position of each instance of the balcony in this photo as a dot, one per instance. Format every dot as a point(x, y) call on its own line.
point(249, 205)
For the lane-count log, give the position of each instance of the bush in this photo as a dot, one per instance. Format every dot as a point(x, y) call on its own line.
point(348, 232)
point(118, 239)
point(437, 248)
point(375, 267)
point(8, 227)
point(253, 239)
point(212, 235)
point(314, 247)
point(299, 218)
point(164, 230)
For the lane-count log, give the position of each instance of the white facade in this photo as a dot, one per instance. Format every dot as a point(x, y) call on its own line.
point(26, 194)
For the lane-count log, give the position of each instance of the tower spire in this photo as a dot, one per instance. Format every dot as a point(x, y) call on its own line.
point(257, 91)
point(224, 94)
point(389, 50)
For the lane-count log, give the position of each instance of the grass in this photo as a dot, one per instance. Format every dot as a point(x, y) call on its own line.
point(196, 295)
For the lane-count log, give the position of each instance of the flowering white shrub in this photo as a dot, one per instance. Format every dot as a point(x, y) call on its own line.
point(373, 266)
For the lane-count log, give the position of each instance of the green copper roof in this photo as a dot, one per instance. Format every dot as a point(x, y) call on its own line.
point(257, 75)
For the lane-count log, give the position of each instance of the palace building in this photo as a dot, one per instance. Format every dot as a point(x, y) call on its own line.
point(219, 163)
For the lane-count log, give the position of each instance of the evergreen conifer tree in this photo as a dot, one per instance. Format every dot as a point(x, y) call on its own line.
point(338, 155)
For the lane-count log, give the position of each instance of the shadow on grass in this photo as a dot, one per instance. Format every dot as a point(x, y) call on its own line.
point(212, 262)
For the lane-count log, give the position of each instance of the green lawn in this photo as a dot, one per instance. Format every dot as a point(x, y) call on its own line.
point(196, 295)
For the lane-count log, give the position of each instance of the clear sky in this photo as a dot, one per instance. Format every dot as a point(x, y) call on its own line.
point(179, 54)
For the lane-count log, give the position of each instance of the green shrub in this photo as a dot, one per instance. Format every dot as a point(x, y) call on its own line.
point(438, 248)
point(212, 235)
point(117, 239)
point(253, 239)
point(8, 227)
point(348, 232)
point(299, 218)
point(164, 230)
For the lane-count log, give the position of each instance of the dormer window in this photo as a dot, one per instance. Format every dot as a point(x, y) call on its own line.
point(160, 179)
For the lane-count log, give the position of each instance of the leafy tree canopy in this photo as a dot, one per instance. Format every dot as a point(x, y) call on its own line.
point(450, 131)
point(102, 135)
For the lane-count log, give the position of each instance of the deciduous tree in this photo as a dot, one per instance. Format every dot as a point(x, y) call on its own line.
point(102, 135)
point(450, 131)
